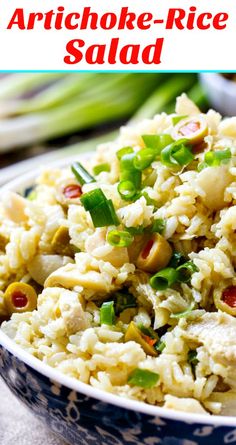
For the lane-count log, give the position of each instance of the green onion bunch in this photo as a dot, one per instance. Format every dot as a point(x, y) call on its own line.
point(37, 107)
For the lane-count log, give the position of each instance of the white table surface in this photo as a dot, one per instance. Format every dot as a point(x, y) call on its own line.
point(18, 426)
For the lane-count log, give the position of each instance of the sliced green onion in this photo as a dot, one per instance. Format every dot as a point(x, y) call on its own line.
point(124, 300)
point(176, 119)
point(148, 331)
point(184, 313)
point(157, 141)
point(126, 190)
point(92, 199)
point(101, 168)
point(135, 230)
point(144, 158)
point(118, 238)
point(164, 279)
point(192, 357)
point(104, 215)
point(160, 346)
point(177, 154)
point(124, 151)
point(81, 174)
point(100, 208)
point(107, 313)
point(216, 158)
point(143, 378)
point(158, 226)
point(185, 271)
point(128, 172)
point(176, 260)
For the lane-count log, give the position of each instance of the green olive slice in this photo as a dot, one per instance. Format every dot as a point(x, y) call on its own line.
point(193, 128)
point(20, 297)
point(155, 254)
point(225, 300)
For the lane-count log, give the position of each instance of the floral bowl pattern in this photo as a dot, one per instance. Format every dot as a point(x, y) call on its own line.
point(84, 415)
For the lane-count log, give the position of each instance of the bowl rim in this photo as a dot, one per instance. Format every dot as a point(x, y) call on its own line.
point(53, 374)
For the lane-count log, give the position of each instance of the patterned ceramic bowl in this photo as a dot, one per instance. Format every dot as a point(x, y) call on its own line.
point(84, 415)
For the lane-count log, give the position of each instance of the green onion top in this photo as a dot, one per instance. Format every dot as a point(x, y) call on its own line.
point(128, 172)
point(104, 215)
point(215, 158)
point(124, 151)
point(143, 378)
point(107, 313)
point(118, 238)
point(100, 208)
point(82, 176)
point(157, 141)
point(92, 199)
point(127, 190)
point(177, 154)
point(185, 271)
point(164, 279)
point(105, 167)
point(144, 158)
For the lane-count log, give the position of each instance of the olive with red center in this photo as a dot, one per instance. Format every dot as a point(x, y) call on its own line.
point(226, 300)
point(20, 297)
point(193, 128)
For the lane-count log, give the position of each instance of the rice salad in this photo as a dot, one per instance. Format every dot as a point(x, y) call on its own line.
point(120, 271)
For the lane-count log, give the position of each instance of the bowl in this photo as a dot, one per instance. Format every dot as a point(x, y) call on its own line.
point(221, 92)
point(84, 415)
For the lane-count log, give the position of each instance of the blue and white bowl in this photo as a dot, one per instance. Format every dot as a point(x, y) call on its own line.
point(84, 415)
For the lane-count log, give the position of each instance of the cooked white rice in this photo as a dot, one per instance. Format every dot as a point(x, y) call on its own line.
point(199, 209)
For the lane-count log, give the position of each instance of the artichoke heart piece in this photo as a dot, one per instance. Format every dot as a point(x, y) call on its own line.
point(69, 276)
point(213, 181)
point(42, 266)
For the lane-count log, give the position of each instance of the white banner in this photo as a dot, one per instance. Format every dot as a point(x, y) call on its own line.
point(117, 35)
